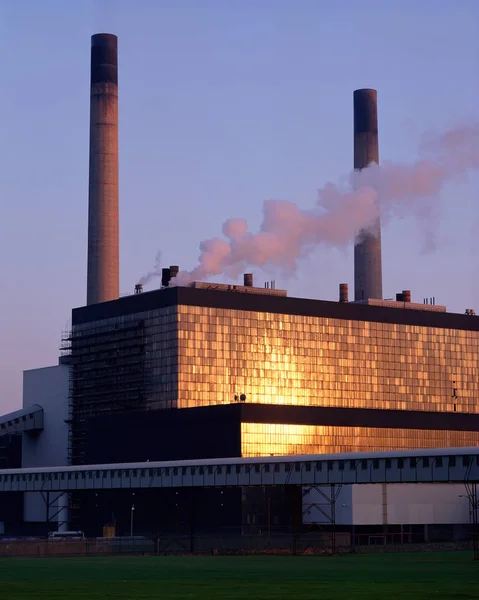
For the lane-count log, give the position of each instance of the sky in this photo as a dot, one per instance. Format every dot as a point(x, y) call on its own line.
point(223, 104)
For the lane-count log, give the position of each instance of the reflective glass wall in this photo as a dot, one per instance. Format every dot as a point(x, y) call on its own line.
point(287, 359)
point(195, 356)
point(265, 439)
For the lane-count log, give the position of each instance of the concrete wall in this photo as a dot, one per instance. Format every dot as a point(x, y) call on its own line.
point(48, 387)
point(391, 504)
point(367, 505)
point(414, 504)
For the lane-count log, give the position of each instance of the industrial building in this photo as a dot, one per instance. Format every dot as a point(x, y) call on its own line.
point(306, 376)
point(212, 370)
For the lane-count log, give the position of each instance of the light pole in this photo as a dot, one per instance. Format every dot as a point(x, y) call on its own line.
point(131, 520)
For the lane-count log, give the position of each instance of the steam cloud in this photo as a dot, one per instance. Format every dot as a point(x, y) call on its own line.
point(288, 232)
point(154, 272)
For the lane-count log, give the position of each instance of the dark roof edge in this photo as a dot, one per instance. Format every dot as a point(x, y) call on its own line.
point(273, 304)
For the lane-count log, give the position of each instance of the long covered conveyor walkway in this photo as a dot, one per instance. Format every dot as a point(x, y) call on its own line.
point(449, 465)
point(26, 419)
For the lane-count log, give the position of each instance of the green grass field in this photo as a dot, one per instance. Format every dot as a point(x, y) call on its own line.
point(408, 576)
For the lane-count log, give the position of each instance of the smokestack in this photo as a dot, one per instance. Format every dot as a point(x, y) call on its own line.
point(343, 292)
point(165, 277)
point(103, 222)
point(248, 279)
point(367, 245)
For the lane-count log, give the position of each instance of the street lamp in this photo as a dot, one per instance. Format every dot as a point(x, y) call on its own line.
point(131, 520)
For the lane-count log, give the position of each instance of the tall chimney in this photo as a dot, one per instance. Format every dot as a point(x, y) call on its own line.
point(103, 221)
point(367, 245)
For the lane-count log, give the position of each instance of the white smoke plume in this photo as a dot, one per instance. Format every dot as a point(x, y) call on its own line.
point(154, 272)
point(288, 232)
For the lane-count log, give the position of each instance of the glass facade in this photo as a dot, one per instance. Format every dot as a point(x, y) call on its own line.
point(187, 356)
point(317, 361)
point(125, 363)
point(265, 439)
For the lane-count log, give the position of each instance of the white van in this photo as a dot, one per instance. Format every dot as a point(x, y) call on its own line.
point(66, 535)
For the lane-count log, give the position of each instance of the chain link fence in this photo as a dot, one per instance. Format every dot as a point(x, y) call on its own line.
point(318, 543)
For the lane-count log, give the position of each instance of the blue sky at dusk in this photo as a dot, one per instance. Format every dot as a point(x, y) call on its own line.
point(223, 104)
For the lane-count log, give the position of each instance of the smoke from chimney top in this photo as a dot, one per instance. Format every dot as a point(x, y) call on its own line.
point(154, 272)
point(289, 232)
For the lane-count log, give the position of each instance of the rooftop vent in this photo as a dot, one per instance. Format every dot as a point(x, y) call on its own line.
point(248, 279)
point(167, 275)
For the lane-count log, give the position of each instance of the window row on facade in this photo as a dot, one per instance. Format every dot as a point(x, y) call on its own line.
point(264, 439)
